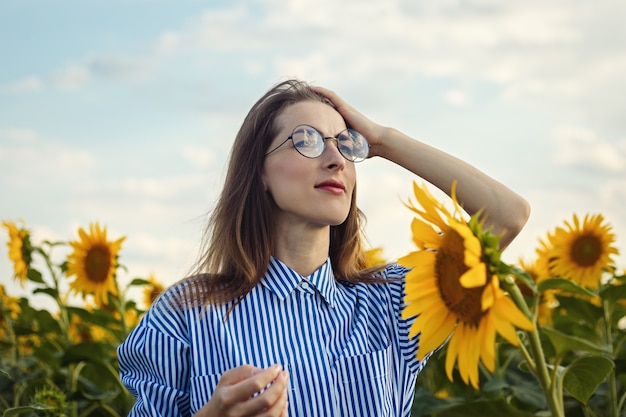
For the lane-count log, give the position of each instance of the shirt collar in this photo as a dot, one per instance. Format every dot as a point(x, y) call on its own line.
point(282, 280)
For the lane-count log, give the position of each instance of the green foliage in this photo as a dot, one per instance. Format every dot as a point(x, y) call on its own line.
point(62, 363)
point(585, 356)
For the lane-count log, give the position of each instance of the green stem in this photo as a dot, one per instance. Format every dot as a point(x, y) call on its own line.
point(620, 404)
point(608, 335)
point(528, 357)
point(89, 409)
point(109, 409)
point(65, 319)
point(555, 402)
point(12, 339)
point(121, 308)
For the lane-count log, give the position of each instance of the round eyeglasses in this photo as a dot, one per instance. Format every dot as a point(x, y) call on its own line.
point(310, 143)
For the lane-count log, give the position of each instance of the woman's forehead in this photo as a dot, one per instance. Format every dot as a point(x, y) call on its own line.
point(314, 113)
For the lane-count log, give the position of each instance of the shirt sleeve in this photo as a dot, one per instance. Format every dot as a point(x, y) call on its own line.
point(408, 345)
point(154, 362)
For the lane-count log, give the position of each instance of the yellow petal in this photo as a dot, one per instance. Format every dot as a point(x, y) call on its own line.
point(473, 355)
point(474, 277)
point(463, 353)
point(488, 297)
point(452, 353)
point(431, 206)
point(415, 288)
point(417, 258)
point(506, 329)
point(488, 342)
point(473, 249)
point(423, 233)
point(506, 307)
point(439, 334)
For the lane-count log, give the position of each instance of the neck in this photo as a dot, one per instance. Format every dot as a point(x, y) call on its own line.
point(304, 249)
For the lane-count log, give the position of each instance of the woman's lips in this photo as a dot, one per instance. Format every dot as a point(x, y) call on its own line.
point(334, 187)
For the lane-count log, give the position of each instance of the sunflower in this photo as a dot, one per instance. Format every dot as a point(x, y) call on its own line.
point(451, 290)
point(152, 290)
point(374, 257)
point(81, 332)
point(539, 271)
point(19, 250)
point(93, 262)
point(10, 310)
point(9, 304)
point(582, 251)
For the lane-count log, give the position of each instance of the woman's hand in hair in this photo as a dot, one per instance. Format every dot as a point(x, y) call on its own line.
point(373, 132)
point(249, 391)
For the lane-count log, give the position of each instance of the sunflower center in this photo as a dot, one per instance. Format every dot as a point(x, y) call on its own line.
point(465, 303)
point(586, 250)
point(154, 294)
point(98, 263)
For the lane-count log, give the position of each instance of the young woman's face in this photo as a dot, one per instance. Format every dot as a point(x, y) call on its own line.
point(315, 191)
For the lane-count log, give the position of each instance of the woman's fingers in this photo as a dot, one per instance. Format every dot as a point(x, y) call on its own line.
point(249, 391)
point(238, 374)
point(257, 380)
point(341, 105)
point(355, 120)
point(271, 401)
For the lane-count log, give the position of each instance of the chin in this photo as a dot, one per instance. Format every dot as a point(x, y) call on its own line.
point(338, 221)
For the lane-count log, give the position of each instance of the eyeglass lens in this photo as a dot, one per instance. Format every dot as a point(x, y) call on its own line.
point(310, 143)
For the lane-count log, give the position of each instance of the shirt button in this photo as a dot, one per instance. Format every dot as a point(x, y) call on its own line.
point(304, 285)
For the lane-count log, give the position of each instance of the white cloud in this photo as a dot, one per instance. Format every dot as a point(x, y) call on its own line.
point(122, 68)
point(72, 77)
point(153, 188)
point(19, 134)
point(580, 147)
point(42, 162)
point(456, 98)
point(30, 83)
point(562, 59)
point(200, 157)
point(546, 54)
point(220, 30)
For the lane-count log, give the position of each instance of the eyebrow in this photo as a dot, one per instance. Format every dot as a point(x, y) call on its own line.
point(319, 131)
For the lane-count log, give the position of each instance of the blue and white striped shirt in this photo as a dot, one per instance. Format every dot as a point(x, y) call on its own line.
point(346, 346)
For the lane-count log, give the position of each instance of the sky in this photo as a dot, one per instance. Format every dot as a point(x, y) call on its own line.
point(124, 111)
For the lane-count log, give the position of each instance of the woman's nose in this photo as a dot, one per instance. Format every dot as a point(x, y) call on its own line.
point(334, 158)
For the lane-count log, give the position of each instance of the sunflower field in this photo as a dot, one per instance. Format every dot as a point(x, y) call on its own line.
point(546, 337)
point(542, 338)
point(63, 363)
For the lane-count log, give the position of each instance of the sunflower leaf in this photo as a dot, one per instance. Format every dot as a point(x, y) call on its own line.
point(138, 281)
point(98, 317)
point(613, 293)
point(35, 276)
point(564, 343)
point(565, 285)
point(16, 411)
point(585, 374)
point(576, 311)
point(50, 291)
point(480, 408)
point(505, 270)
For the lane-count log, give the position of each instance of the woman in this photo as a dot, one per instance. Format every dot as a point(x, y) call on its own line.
point(283, 319)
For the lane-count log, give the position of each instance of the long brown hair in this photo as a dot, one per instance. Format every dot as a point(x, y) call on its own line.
point(238, 240)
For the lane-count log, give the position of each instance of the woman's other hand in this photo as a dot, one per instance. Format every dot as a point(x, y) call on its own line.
point(373, 132)
point(249, 391)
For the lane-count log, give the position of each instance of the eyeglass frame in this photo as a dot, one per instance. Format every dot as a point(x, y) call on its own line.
point(324, 140)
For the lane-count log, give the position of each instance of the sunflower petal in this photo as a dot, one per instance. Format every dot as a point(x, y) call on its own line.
point(488, 342)
point(474, 277)
point(438, 334)
point(452, 353)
